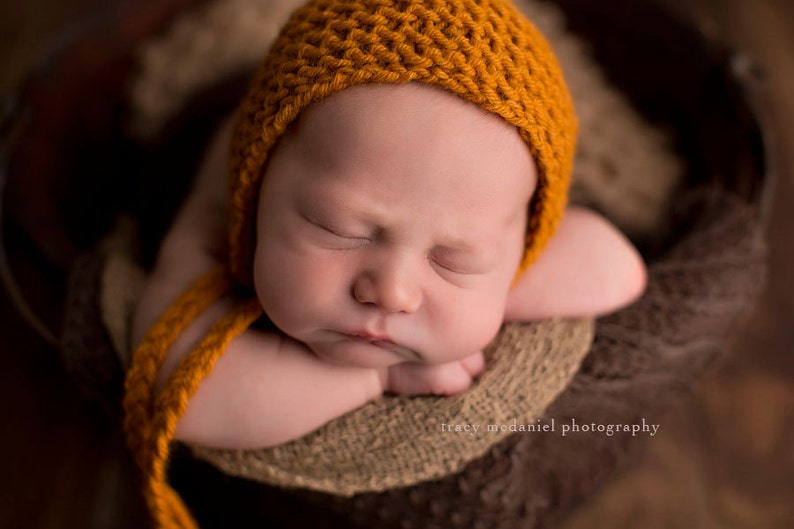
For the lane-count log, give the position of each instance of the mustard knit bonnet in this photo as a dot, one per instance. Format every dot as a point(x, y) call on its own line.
point(484, 51)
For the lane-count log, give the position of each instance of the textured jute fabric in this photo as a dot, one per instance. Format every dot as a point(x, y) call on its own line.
point(398, 441)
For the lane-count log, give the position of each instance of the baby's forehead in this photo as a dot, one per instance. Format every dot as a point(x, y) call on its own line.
point(409, 125)
point(366, 143)
point(377, 100)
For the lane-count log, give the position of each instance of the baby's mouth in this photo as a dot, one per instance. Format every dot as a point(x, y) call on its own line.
point(383, 342)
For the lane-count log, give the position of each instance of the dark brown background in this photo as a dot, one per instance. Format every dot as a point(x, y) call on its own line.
point(723, 457)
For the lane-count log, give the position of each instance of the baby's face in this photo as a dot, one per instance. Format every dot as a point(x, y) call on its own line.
point(391, 222)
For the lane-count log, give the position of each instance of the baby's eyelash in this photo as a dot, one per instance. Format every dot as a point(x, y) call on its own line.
point(337, 233)
point(326, 228)
point(343, 236)
point(448, 266)
point(461, 263)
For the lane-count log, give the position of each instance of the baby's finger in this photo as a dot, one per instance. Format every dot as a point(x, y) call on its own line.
point(474, 364)
point(418, 379)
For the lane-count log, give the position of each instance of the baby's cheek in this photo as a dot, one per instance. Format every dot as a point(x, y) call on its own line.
point(489, 328)
point(473, 328)
point(301, 290)
point(275, 284)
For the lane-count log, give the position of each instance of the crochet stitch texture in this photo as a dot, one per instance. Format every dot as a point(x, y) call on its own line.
point(485, 52)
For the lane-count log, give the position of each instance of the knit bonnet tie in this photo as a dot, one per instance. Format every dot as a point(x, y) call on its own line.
point(483, 51)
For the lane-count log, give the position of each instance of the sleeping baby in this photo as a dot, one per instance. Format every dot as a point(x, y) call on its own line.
point(396, 191)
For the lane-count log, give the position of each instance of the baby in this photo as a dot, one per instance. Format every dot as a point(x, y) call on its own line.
point(388, 216)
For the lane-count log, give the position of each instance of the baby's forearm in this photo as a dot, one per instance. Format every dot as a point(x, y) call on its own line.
point(588, 269)
point(265, 390)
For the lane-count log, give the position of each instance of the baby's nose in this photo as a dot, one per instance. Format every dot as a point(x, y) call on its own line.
point(393, 289)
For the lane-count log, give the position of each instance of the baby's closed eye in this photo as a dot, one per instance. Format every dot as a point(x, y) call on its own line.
point(459, 261)
point(335, 234)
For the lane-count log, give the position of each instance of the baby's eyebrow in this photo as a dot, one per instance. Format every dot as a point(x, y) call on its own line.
point(457, 246)
point(462, 245)
point(462, 248)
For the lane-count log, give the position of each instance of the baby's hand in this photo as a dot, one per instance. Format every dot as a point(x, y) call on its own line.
point(443, 379)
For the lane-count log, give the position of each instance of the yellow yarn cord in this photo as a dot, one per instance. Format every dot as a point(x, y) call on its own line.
point(148, 358)
point(150, 421)
point(166, 506)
